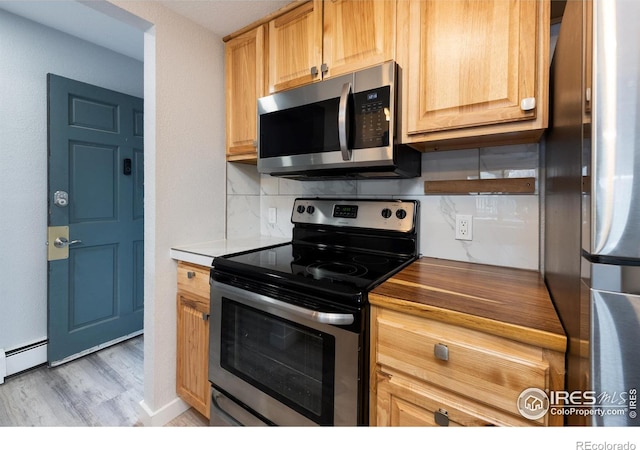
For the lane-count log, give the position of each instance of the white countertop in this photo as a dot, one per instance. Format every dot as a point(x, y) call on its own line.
point(203, 254)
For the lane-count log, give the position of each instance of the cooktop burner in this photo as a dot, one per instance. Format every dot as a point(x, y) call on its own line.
point(335, 269)
point(371, 259)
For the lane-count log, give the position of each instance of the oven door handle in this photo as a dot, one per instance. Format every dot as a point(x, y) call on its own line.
point(329, 318)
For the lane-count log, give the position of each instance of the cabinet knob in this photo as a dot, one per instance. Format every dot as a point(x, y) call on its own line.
point(191, 275)
point(324, 68)
point(314, 71)
point(441, 352)
point(528, 104)
point(441, 417)
point(205, 316)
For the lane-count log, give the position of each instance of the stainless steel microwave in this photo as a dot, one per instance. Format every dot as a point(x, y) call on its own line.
point(340, 128)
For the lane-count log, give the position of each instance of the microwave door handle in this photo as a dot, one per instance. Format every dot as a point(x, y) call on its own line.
point(342, 122)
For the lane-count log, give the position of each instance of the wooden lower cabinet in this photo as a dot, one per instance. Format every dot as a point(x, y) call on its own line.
point(192, 365)
point(405, 402)
point(427, 372)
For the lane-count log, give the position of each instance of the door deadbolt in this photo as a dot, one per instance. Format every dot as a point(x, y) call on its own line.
point(61, 198)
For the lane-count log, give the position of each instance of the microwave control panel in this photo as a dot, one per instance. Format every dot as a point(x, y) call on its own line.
point(372, 116)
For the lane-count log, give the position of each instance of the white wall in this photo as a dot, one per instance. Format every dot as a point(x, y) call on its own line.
point(184, 178)
point(184, 167)
point(505, 227)
point(28, 52)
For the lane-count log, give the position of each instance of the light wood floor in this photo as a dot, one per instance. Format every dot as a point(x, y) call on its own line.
point(100, 389)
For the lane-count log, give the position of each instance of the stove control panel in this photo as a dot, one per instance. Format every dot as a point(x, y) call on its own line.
point(391, 215)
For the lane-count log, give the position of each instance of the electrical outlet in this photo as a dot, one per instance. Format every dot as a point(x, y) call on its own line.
point(272, 215)
point(464, 227)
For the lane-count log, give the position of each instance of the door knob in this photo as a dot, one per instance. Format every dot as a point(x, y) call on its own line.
point(61, 242)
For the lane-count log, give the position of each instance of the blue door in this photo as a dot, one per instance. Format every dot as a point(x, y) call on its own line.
point(95, 239)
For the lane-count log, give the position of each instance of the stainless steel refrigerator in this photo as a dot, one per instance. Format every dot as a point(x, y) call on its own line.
point(592, 206)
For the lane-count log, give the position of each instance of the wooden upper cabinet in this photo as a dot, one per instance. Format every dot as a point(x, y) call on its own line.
point(245, 81)
point(295, 47)
point(320, 39)
point(358, 34)
point(473, 67)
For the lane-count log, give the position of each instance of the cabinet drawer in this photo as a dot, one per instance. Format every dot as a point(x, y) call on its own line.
point(404, 402)
point(193, 279)
point(482, 367)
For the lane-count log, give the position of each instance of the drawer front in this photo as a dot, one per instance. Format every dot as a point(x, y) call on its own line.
point(484, 368)
point(404, 402)
point(193, 279)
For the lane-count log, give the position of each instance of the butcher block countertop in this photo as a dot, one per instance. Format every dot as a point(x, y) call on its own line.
point(512, 303)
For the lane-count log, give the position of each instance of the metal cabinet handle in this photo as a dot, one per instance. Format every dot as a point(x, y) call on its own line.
point(314, 71)
point(205, 316)
point(441, 352)
point(191, 275)
point(61, 242)
point(324, 68)
point(441, 417)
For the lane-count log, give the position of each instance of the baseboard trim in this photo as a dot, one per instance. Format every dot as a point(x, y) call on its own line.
point(163, 415)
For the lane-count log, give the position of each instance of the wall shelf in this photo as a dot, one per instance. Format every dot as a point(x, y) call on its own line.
point(490, 185)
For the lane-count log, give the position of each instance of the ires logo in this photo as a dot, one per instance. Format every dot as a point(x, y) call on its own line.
point(534, 403)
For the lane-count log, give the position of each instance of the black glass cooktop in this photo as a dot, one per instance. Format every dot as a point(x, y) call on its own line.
point(327, 267)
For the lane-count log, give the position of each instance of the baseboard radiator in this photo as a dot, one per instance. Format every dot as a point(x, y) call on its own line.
point(21, 359)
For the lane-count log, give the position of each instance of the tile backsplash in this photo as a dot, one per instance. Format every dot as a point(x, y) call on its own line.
point(505, 227)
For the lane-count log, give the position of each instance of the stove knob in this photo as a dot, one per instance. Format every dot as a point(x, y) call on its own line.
point(311, 209)
point(386, 213)
point(300, 209)
point(401, 214)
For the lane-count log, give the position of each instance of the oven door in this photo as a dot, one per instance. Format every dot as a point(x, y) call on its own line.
point(288, 365)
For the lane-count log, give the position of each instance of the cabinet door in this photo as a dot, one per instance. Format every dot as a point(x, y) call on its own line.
point(295, 47)
point(487, 368)
point(406, 402)
point(358, 34)
point(470, 63)
point(244, 85)
point(192, 378)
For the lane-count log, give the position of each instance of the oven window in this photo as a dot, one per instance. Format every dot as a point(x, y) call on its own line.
point(288, 361)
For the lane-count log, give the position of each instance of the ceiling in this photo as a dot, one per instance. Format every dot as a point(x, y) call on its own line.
point(223, 17)
point(85, 21)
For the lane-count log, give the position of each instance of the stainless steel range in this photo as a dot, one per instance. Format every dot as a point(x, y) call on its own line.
point(289, 323)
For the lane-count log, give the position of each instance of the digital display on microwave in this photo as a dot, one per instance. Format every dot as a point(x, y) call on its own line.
point(345, 211)
point(371, 117)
